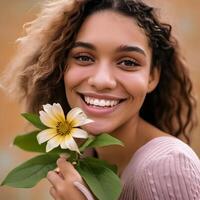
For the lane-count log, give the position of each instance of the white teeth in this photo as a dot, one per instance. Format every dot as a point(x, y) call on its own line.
point(100, 102)
point(107, 103)
point(96, 102)
point(91, 101)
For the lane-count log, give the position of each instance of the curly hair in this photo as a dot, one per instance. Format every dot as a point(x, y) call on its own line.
point(39, 66)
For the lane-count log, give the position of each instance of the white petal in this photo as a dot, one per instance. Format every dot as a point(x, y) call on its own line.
point(47, 119)
point(79, 133)
point(63, 145)
point(82, 122)
point(55, 111)
point(78, 117)
point(45, 135)
point(73, 113)
point(47, 108)
point(69, 143)
point(54, 142)
point(58, 112)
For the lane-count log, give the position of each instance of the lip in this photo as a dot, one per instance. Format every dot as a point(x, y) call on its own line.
point(99, 111)
point(101, 96)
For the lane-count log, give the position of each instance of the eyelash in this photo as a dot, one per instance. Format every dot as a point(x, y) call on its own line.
point(83, 59)
point(128, 64)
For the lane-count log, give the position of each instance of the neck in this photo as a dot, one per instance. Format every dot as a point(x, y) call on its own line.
point(133, 135)
point(118, 155)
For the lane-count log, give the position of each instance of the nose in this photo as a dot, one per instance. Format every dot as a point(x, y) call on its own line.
point(102, 78)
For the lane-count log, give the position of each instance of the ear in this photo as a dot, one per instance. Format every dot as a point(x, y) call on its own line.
point(153, 78)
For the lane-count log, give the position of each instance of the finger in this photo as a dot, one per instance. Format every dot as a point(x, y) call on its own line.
point(64, 155)
point(68, 170)
point(54, 179)
point(53, 193)
point(57, 170)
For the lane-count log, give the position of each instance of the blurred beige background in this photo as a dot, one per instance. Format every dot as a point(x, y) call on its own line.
point(185, 17)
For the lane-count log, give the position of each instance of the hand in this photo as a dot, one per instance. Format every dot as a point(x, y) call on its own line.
point(63, 187)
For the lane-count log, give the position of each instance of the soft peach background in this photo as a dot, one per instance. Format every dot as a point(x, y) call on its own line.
point(185, 17)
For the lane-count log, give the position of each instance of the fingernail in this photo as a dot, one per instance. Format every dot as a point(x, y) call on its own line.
point(64, 155)
point(57, 170)
point(74, 163)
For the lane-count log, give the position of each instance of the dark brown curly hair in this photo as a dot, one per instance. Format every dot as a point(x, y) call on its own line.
point(44, 50)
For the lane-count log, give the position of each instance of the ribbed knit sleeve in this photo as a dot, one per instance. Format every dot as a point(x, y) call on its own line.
point(165, 168)
point(174, 176)
point(84, 190)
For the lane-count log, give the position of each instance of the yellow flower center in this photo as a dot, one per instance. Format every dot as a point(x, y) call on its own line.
point(64, 128)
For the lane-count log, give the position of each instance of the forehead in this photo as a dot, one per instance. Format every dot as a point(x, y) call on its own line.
point(113, 28)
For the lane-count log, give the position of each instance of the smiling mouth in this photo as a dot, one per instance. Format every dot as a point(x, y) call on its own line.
point(101, 103)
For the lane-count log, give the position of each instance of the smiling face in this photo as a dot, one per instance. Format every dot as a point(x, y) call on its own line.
point(108, 73)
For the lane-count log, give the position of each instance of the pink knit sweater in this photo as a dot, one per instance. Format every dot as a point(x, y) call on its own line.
point(165, 168)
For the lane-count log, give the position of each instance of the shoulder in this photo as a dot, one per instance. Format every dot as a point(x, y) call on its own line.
point(159, 150)
point(165, 147)
point(167, 154)
point(165, 168)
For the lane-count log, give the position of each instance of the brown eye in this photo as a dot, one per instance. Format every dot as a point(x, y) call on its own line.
point(128, 64)
point(83, 59)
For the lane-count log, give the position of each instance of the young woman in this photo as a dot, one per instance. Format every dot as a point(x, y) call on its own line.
point(115, 60)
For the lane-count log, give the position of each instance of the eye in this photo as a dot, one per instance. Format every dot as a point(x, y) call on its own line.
point(83, 59)
point(128, 64)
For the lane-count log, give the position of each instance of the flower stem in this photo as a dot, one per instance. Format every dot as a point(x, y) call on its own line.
point(74, 158)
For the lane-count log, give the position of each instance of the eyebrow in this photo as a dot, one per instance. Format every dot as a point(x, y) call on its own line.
point(126, 48)
point(122, 48)
point(84, 45)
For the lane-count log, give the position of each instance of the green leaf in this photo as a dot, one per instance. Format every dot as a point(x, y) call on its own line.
point(34, 119)
point(28, 142)
point(103, 140)
point(102, 181)
point(31, 172)
point(92, 160)
point(86, 143)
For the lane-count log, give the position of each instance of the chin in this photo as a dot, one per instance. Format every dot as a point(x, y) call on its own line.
point(95, 129)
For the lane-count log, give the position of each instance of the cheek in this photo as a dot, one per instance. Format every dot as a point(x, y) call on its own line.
point(70, 82)
point(74, 78)
point(136, 85)
point(75, 75)
point(71, 77)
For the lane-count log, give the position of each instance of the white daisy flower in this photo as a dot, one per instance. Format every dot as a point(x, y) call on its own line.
point(62, 130)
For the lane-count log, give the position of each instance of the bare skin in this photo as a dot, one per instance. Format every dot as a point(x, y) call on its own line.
point(99, 68)
point(62, 182)
point(121, 156)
